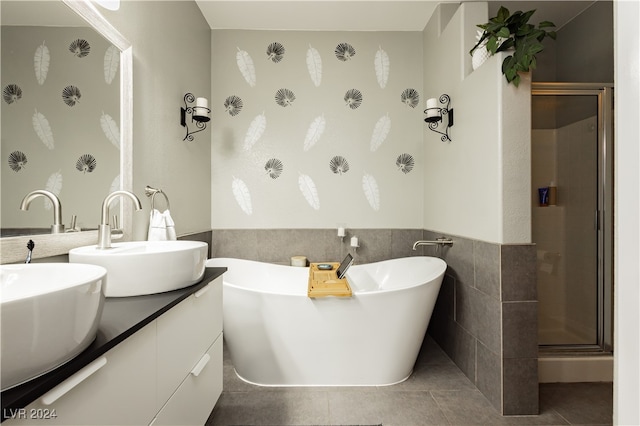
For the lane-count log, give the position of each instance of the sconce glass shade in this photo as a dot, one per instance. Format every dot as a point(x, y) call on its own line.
point(433, 111)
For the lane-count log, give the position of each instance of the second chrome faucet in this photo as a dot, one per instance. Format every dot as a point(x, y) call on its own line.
point(104, 229)
point(57, 227)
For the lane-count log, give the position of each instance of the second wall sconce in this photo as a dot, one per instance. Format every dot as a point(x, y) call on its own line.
point(435, 113)
point(199, 114)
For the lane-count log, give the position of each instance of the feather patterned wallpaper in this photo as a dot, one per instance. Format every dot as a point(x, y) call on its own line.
point(315, 129)
point(60, 122)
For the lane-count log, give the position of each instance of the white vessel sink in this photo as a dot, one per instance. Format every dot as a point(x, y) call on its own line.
point(50, 313)
point(136, 268)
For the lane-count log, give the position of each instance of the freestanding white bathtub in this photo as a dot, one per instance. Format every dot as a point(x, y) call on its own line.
point(277, 336)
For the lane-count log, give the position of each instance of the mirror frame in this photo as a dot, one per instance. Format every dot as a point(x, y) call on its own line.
point(13, 249)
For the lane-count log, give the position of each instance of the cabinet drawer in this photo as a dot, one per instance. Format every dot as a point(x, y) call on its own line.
point(184, 335)
point(116, 389)
point(194, 400)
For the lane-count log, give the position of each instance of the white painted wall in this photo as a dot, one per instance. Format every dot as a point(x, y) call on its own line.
point(477, 185)
point(626, 389)
point(172, 56)
point(307, 193)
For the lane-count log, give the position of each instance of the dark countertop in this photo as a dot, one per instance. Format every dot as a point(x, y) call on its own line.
point(121, 318)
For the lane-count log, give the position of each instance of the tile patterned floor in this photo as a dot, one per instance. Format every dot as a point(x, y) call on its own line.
point(437, 393)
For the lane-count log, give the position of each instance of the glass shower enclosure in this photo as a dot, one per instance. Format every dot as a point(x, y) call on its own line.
point(572, 170)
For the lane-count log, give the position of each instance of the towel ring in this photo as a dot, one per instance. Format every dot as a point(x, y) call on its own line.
point(152, 192)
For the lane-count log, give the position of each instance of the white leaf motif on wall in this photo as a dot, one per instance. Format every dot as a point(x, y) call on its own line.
point(370, 188)
point(246, 67)
point(308, 189)
point(115, 186)
point(54, 184)
point(380, 132)
point(111, 63)
point(43, 129)
point(316, 128)
point(314, 65)
point(242, 195)
point(41, 63)
point(382, 65)
point(255, 131)
point(110, 129)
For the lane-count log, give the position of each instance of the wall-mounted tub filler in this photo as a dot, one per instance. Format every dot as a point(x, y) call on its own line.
point(104, 230)
point(442, 241)
point(57, 227)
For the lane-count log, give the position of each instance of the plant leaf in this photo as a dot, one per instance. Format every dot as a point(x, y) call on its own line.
point(504, 32)
point(503, 14)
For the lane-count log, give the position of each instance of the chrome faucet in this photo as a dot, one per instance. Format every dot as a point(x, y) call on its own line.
point(57, 227)
point(442, 241)
point(104, 230)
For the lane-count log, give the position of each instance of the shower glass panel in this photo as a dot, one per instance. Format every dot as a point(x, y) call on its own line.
point(569, 156)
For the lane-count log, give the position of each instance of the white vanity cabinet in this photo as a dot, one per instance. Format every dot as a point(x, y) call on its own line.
point(168, 372)
point(115, 389)
point(190, 358)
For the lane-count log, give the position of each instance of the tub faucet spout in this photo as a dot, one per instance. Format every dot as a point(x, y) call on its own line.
point(104, 230)
point(57, 227)
point(442, 241)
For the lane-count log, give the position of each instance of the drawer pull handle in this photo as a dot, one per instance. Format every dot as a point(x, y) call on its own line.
point(200, 365)
point(56, 393)
point(202, 291)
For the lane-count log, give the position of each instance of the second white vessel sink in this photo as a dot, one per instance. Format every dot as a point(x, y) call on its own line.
point(50, 313)
point(136, 268)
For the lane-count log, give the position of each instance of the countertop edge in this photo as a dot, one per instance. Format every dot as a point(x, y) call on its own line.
point(20, 396)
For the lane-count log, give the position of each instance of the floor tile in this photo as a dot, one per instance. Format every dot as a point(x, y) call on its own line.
point(276, 407)
point(437, 393)
point(470, 407)
point(434, 377)
point(406, 408)
point(579, 403)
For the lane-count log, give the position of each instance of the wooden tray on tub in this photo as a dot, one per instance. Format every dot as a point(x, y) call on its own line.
point(325, 282)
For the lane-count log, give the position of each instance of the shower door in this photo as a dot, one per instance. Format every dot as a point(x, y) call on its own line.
point(571, 155)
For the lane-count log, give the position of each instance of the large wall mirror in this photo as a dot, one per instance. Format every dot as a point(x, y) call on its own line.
point(66, 122)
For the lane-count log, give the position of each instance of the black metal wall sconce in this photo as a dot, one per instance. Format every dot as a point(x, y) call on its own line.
point(199, 114)
point(435, 113)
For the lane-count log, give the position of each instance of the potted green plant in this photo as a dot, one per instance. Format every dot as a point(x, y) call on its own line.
point(513, 32)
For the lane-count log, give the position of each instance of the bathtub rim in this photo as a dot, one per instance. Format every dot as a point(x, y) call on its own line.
point(303, 289)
